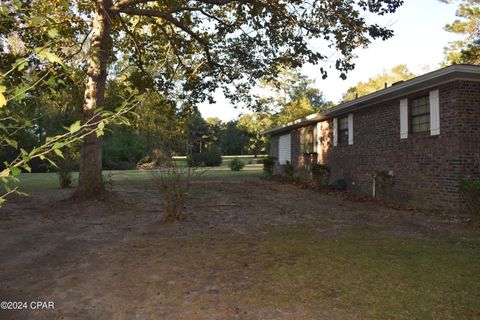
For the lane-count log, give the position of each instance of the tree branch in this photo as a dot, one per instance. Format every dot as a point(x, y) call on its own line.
point(124, 4)
point(217, 2)
point(132, 36)
point(175, 22)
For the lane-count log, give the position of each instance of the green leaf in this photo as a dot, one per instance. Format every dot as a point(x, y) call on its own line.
point(37, 20)
point(59, 153)
point(45, 54)
point(52, 33)
point(100, 128)
point(12, 143)
point(57, 145)
point(20, 92)
point(15, 171)
point(4, 174)
point(20, 64)
point(3, 100)
point(20, 193)
point(75, 127)
point(51, 81)
point(52, 163)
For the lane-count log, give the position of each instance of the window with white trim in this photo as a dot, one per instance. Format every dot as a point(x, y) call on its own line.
point(343, 130)
point(419, 114)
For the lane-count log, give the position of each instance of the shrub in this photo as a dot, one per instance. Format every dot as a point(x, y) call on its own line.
point(268, 165)
point(320, 174)
point(175, 183)
point(288, 170)
point(67, 164)
point(470, 190)
point(383, 181)
point(205, 159)
point(122, 150)
point(236, 164)
point(65, 178)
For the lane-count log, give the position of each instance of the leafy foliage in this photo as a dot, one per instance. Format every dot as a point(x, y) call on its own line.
point(236, 164)
point(378, 82)
point(67, 164)
point(233, 140)
point(466, 50)
point(123, 149)
point(383, 181)
point(175, 183)
point(268, 165)
point(470, 190)
point(288, 170)
point(320, 174)
point(205, 159)
point(254, 124)
point(291, 96)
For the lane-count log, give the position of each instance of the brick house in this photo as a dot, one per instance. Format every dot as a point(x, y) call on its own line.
point(425, 132)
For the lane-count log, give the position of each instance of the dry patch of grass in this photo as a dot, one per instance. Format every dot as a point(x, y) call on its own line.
point(251, 249)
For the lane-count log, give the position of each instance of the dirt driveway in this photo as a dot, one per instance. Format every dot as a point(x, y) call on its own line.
point(117, 260)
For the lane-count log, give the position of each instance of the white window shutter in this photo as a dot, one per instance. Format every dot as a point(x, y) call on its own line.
point(319, 137)
point(403, 118)
point(335, 131)
point(434, 113)
point(350, 128)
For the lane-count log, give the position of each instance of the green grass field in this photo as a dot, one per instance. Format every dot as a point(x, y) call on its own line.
point(47, 181)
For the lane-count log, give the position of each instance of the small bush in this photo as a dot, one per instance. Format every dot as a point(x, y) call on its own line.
point(268, 165)
point(383, 181)
point(288, 170)
point(205, 159)
point(470, 190)
point(175, 182)
point(67, 164)
point(236, 164)
point(320, 174)
point(65, 178)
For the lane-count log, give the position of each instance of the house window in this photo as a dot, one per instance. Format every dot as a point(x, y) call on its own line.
point(307, 140)
point(343, 130)
point(420, 114)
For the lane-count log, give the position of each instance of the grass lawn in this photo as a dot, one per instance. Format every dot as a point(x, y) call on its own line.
point(381, 277)
point(46, 181)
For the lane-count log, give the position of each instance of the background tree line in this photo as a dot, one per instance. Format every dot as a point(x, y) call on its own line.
point(159, 124)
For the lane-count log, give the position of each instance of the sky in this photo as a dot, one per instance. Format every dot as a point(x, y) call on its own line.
point(418, 42)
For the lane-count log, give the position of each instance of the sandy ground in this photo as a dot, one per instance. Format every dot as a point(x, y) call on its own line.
point(116, 259)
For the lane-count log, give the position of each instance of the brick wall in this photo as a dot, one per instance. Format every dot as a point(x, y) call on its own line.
point(426, 168)
point(469, 127)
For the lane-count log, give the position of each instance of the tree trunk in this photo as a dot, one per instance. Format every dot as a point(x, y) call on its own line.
point(90, 184)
